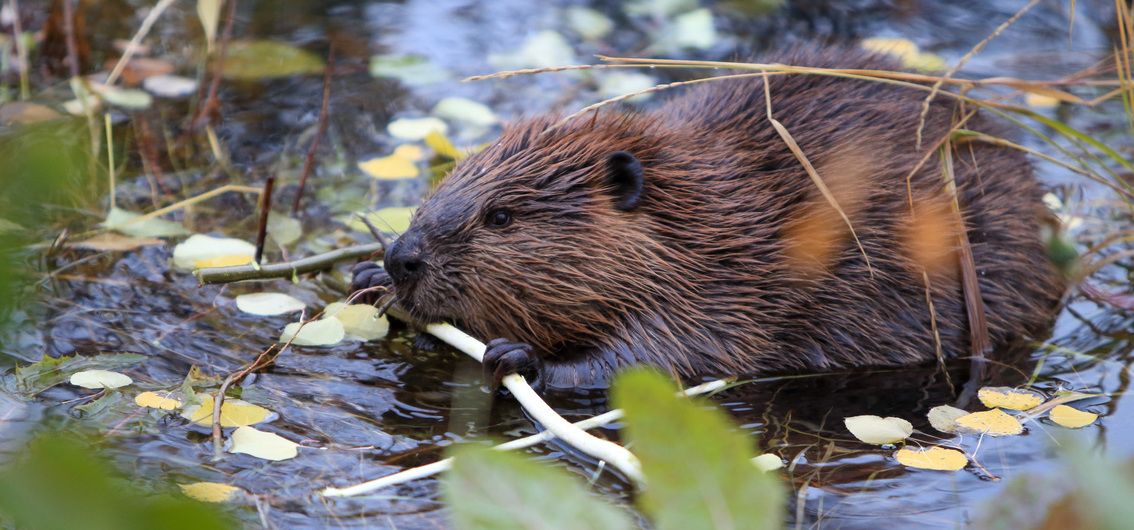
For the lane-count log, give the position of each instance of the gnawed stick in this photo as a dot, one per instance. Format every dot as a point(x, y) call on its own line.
point(443, 465)
point(286, 269)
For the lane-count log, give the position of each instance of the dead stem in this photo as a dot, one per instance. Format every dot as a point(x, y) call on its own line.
point(309, 163)
point(265, 210)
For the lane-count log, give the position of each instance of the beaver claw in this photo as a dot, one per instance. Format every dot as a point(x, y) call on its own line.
point(503, 357)
point(367, 274)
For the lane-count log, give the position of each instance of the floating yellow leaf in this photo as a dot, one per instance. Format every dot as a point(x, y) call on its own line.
point(260, 444)
point(268, 304)
point(1071, 417)
point(416, 128)
point(944, 417)
point(222, 261)
point(877, 430)
point(200, 248)
point(322, 332)
point(97, 379)
point(993, 422)
point(1009, 398)
point(362, 321)
point(1040, 101)
point(210, 491)
point(935, 458)
point(154, 400)
point(233, 413)
point(391, 167)
point(442, 146)
point(409, 151)
point(905, 50)
point(767, 462)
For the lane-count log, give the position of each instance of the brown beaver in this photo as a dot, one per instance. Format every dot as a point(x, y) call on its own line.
point(691, 238)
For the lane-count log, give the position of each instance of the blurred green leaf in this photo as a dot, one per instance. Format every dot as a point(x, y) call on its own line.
point(250, 60)
point(696, 463)
point(494, 490)
point(59, 484)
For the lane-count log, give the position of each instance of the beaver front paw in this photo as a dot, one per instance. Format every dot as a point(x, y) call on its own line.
point(503, 357)
point(366, 275)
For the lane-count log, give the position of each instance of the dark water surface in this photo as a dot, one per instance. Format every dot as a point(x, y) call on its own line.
point(363, 410)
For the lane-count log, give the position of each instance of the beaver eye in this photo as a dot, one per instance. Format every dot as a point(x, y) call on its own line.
point(499, 218)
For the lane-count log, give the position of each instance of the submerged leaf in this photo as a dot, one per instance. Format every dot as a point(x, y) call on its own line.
point(170, 86)
point(391, 167)
point(541, 50)
point(111, 242)
point(877, 430)
point(1071, 417)
point(935, 458)
point(466, 111)
point(260, 444)
point(993, 422)
point(1009, 398)
point(410, 69)
point(489, 490)
point(96, 379)
point(210, 491)
point(268, 304)
point(122, 221)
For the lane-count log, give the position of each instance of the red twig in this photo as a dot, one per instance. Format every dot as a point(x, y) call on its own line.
point(310, 162)
point(265, 209)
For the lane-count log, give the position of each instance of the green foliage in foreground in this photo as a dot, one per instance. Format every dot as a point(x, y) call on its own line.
point(58, 484)
point(697, 465)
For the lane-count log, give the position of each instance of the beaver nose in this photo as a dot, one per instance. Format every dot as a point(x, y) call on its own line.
point(404, 260)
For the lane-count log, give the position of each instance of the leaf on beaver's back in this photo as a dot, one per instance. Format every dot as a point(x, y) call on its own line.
point(1009, 398)
point(934, 458)
point(877, 430)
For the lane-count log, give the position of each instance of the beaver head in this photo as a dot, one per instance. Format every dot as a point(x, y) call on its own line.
point(539, 237)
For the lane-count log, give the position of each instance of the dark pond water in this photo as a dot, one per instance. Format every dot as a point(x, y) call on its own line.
point(363, 410)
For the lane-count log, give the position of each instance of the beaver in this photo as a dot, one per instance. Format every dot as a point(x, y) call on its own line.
point(690, 236)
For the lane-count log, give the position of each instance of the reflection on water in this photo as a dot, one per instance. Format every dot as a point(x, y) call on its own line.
point(371, 409)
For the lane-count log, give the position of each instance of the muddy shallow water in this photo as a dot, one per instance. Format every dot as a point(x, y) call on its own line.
point(363, 410)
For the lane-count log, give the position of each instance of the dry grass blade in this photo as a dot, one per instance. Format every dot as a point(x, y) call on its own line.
point(193, 200)
point(136, 41)
point(786, 136)
point(960, 63)
point(979, 341)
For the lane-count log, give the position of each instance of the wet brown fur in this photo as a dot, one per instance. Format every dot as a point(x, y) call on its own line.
point(733, 262)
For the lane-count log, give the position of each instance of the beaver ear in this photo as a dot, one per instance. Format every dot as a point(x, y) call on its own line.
point(625, 173)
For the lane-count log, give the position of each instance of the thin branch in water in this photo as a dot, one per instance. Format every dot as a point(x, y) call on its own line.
point(287, 269)
point(136, 41)
point(309, 163)
point(960, 63)
point(265, 210)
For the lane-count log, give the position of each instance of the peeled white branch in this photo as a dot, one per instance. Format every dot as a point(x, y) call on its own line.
point(441, 466)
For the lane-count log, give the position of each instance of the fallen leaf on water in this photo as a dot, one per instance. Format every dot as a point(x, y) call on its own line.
point(944, 417)
point(97, 379)
point(1040, 101)
point(123, 221)
point(268, 304)
point(170, 86)
point(465, 110)
point(208, 251)
point(877, 430)
point(400, 165)
point(415, 129)
point(260, 444)
point(394, 220)
point(409, 69)
point(111, 242)
point(362, 321)
point(210, 491)
point(128, 98)
point(993, 422)
point(767, 462)
point(323, 332)
point(233, 413)
point(588, 23)
point(617, 83)
point(1009, 398)
point(541, 50)
point(155, 400)
point(693, 30)
point(935, 458)
point(138, 69)
point(283, 229)
point(905, 50)
point(442, 146)
point(1071, 417)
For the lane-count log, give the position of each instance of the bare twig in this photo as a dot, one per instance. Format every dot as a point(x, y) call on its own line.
point(264, 359)
point(309, 163)
point(288, 269)
point(136, 41)
point(265, 210)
